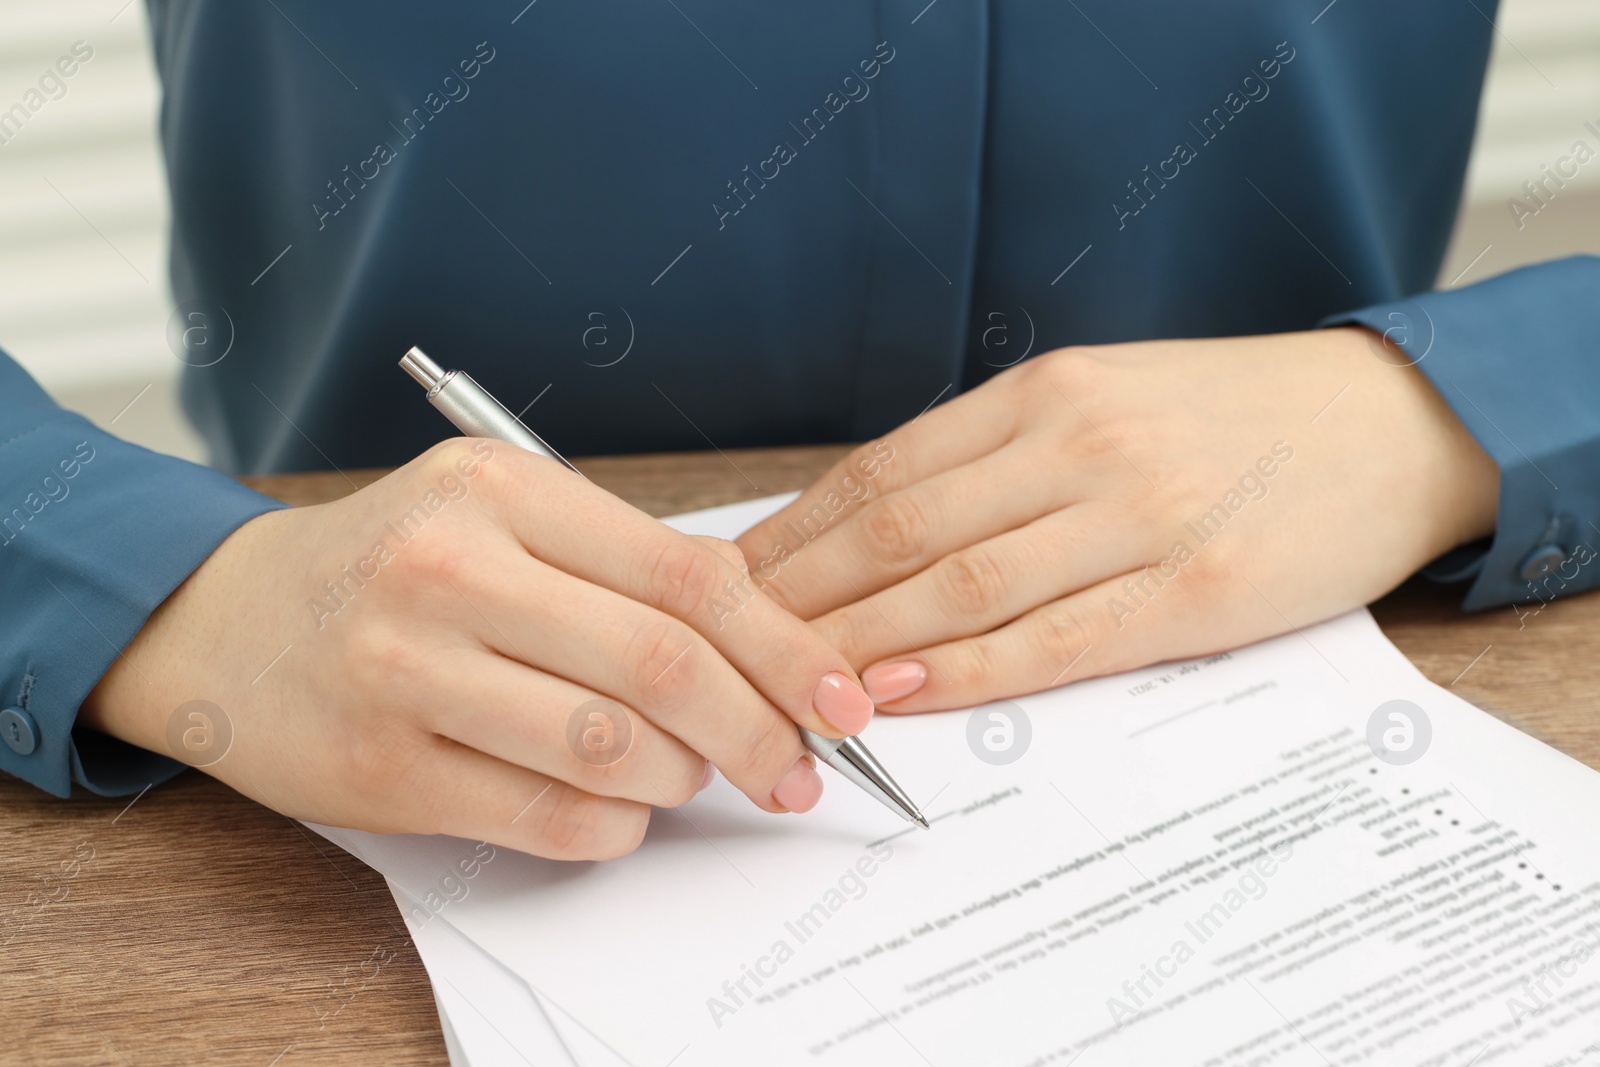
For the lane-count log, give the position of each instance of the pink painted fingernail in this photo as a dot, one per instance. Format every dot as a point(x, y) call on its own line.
point(842, 703)
point(800, 788)
point(891, 681)
point(705, 779)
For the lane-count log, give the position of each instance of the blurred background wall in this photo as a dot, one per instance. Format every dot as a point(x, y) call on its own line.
point(84, 302)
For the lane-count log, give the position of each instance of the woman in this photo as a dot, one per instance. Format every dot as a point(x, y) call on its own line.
point(961, 231)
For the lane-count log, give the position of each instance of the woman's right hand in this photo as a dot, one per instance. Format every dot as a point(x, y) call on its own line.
point(427, 655)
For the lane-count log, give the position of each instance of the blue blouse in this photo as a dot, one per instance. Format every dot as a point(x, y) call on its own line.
point(668, 223)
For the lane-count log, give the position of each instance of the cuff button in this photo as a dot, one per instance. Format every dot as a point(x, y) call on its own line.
point(16, 727)
point(1541, 561)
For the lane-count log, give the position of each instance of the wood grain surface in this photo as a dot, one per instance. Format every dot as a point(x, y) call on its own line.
point(193, 925)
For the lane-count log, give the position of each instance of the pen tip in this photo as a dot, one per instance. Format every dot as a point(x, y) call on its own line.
point(922, 821)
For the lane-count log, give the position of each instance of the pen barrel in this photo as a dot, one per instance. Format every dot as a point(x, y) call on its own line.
point(476, 413)
point(821, 747)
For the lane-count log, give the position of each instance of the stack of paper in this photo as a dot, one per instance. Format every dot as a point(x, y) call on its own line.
point(1301, 852)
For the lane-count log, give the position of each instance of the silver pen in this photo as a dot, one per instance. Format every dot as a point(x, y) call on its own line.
point(476, 413)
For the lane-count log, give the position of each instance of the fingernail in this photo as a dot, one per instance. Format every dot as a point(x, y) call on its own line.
point(705, 779)
point(842, 703)
point(891, 681)
point(800, 788)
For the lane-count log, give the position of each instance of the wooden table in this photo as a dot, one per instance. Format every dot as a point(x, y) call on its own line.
point(206, 928)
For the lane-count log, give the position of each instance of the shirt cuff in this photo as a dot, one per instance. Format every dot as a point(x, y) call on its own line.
point(1517, 357)
point(94, 534)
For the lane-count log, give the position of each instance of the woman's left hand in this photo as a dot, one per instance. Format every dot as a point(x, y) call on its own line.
point(1103, 508)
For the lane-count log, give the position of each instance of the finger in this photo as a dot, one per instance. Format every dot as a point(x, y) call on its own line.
point(975, 589)
point(586, 532)
point(1128, 621)
point(939, 439)
point(565, 731)
point(468, 794)
point(897, 535)
point(726, 549)
point(606, 643)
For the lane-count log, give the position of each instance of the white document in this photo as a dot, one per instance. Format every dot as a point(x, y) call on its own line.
point(1202, 863)
point(490, 1017)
